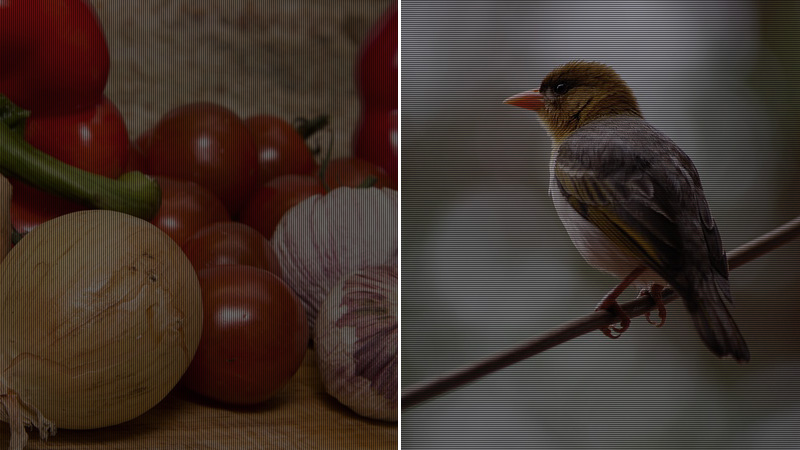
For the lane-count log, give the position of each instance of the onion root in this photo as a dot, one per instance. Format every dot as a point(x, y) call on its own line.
point(18, 414)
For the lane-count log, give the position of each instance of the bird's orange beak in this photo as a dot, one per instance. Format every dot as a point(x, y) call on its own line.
point(529, 100)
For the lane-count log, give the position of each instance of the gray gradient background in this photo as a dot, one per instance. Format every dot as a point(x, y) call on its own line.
point(486, 264)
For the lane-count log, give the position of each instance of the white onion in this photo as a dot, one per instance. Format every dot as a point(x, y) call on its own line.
point(356, 342)
point(327, 237)
point(101, 315)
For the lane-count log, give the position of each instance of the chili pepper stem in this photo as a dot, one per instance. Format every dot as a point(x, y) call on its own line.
point(133, 193)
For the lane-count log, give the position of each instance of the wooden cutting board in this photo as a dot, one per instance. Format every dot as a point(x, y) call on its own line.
point(301, 416)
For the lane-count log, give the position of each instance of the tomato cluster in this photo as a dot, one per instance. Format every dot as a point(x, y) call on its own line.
point(256, 168)
point(225, 181)
point(213, 167)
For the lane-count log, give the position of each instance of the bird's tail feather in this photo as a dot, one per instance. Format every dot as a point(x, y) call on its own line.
point(708, 305)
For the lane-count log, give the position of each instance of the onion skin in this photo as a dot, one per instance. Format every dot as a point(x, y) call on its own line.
point(101, 315)
point(327, 237)
point(356, 342)
point(5, 217)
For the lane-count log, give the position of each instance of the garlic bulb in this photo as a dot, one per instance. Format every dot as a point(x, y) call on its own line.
point(326, 237)
point(101, 315)
point(356, 342)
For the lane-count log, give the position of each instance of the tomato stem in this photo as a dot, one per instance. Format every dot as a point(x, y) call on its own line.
point(307, 127)
point(323, 167)
point(368, 182)
point(132, 193)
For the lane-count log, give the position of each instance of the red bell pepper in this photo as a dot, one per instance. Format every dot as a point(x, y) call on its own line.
point(53, 55)
point(375, 138)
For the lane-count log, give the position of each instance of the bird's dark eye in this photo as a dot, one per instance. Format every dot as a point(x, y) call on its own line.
point(561, 88)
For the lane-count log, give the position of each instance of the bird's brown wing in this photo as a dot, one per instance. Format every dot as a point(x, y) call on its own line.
point(641, 191)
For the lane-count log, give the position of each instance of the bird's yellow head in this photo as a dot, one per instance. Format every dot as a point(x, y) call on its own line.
point(577, 93)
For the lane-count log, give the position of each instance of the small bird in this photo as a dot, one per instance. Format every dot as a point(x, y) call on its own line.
point(631, 200)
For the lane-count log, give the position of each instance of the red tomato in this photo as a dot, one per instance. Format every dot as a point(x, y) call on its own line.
point(270, 202)
point(137, 152)
point(185, 208)
point(207, 144)
point(53, 55)
point(281, 149)
point(254, 337)
point(353, 172)
point(143, 141)
point(136, 159)
point(230, 243)
point(31, 207)
point(94, 139)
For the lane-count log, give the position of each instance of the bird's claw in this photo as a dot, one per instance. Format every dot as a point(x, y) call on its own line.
point(655, 293)
point(609, 303)
point(613, 307)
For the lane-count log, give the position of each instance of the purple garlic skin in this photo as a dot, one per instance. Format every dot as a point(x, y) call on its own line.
point(327, 237)
point(356, 342)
